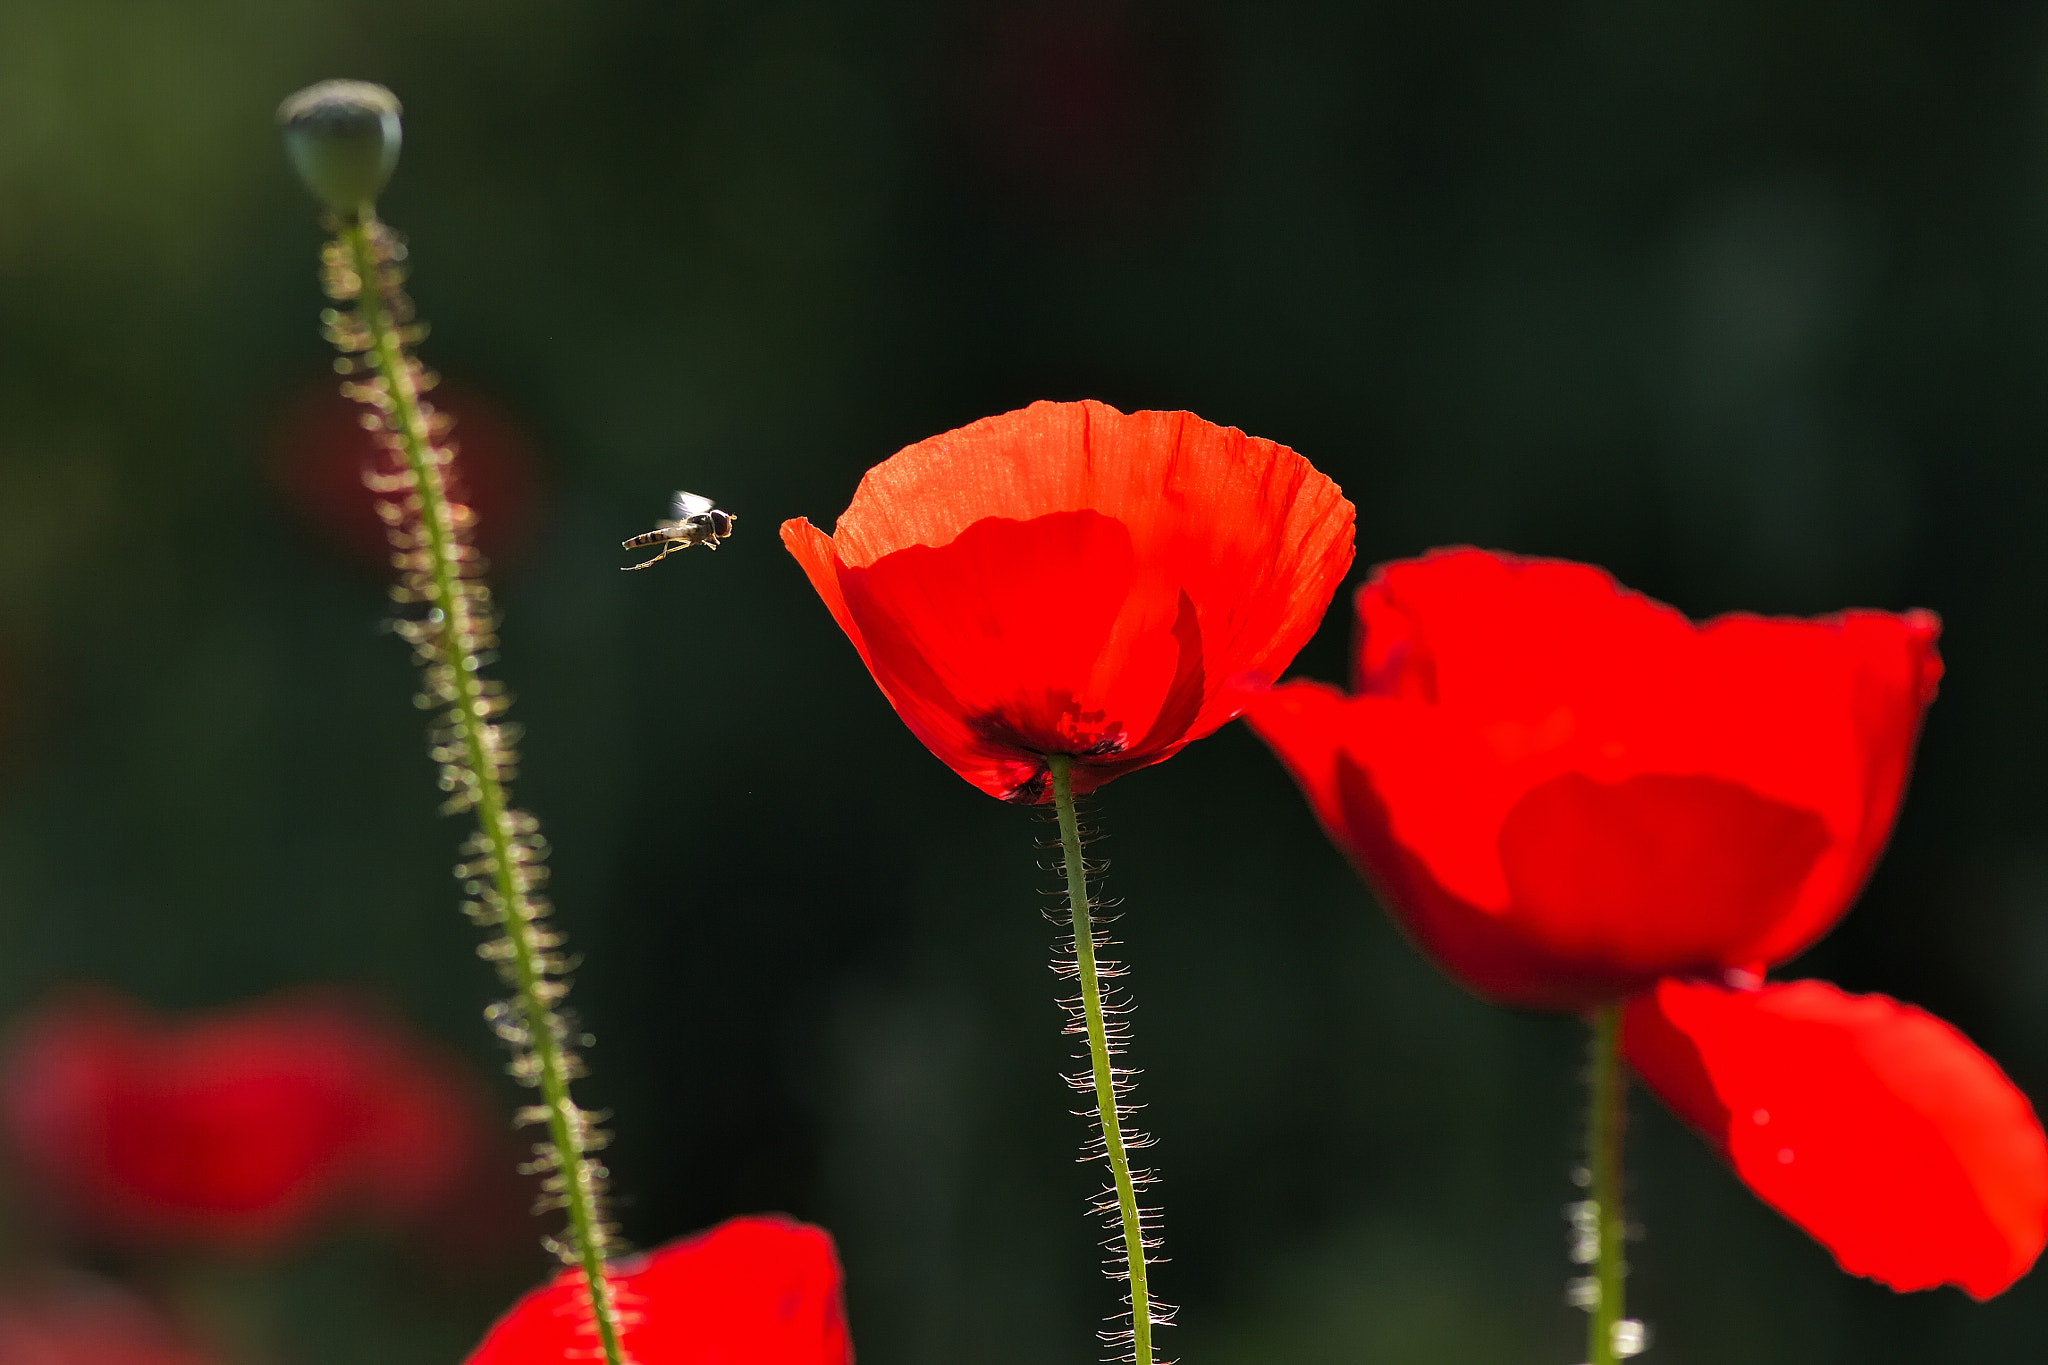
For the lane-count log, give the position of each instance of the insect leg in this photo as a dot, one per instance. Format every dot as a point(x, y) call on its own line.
point(666, 550)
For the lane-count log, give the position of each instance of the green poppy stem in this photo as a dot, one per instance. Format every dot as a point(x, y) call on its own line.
point(1109, 1083)
point(502, 869)
point(1611, 1336)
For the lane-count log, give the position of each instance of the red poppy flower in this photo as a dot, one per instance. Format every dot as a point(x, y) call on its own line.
point(1568, 794)
point(238, 1130)
point(88, 1324)
point(320, 452)
point(751, 1291)
point(1070, 579)
point(1567, 790)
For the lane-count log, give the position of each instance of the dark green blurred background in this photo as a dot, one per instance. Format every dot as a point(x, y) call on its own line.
point(1744, 299)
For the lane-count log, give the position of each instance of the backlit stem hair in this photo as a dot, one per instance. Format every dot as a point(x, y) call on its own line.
point(1133, 1229)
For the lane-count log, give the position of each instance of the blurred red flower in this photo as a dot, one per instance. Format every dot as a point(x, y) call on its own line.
point(1070, 579)
point(1568, 793)
point(87, 1324)
point(320, 450)
point(238, 1130)
point(751, 1291)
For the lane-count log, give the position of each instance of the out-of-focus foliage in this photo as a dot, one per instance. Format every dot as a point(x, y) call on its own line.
point(1741, 299)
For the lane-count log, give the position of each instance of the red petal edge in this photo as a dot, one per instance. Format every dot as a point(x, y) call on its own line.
point(1877, 1128)
point(751, 1291)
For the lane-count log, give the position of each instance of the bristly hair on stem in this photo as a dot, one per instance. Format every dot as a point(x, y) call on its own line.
point(1102, 1018)
point(1599, 1228)
point(447, 618)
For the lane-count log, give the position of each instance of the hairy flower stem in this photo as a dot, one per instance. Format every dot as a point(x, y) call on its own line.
point(502, 871)
point(1110, 1083)
point(1606, 1121)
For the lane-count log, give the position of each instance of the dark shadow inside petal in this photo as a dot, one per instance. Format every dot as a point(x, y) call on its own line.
point(1185, 696)
point(1486, 952)
point(1179, 712)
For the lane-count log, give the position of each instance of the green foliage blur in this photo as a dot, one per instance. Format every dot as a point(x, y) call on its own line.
point(1742, 299)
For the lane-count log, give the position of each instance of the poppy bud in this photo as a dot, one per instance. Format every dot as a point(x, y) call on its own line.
point(343, 138)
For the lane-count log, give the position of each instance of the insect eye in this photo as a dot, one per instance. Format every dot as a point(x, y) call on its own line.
point(721, 523)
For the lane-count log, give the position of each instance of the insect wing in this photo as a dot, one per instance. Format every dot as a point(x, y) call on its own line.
point(687, 505)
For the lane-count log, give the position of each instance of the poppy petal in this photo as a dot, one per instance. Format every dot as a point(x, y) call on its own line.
point(1581, 858)
point(956, 629)
point(751, 1291)
point(1876, 1127)
point(814, 551)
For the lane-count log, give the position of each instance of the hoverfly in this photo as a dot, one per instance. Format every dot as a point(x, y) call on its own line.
point(692, 520)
